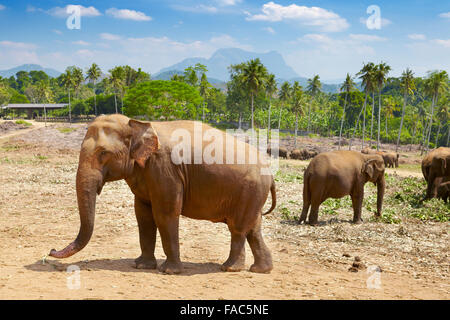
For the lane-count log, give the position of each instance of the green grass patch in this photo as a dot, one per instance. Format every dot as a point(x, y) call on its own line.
point(66, 130)
point(23, 122)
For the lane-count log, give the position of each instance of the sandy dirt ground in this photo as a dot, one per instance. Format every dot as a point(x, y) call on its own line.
point(39, 212)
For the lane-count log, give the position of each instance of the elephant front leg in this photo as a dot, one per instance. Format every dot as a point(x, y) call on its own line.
point(147, 235)
point(168, 229)
point(357, 201)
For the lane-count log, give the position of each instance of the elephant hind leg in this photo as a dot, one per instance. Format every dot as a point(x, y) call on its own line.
point(306, 202)
point(263, 258)
point(236, 259)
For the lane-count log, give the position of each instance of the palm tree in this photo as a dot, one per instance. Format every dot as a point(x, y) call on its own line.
point(116, 82)
point(435, 84)
point(297, 103)
point(93, 74)
point(67, 82)
point(390, 104)
point(77, 76)
point(368, 83)
point(442, 117)
point(284, 96)
point(253, 76)
point(408, 85)
point(271, 88)
point(381, 73)
point(347, 87)
point(313, 88)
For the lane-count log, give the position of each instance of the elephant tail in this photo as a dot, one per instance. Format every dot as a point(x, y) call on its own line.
point(274, 197)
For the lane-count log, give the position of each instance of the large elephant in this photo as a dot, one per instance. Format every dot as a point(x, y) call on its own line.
point(155, 164)
point(282, 152)
point(426, 166)
point(438, 169)
point(340, 173)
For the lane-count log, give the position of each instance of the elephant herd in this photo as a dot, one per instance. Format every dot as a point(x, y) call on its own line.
point(231, 192)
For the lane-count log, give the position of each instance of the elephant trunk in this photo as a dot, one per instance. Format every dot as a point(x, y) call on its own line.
point(88, 183)
point(381, 185)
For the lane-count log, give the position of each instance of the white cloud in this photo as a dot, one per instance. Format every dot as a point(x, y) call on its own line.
point(127, 14)
point(384, 22)
point(57, 31)
point(228, 2)
point(196, 9)
point(2, 7)
point(81, 43)
point(327, 21)
point(269, 30)
point(441, 42)
point(445, 15)
point(62, 12)
point(417, 36)
point(109, 36)
point(366, 37)
point(17, 45)
point(327, 44)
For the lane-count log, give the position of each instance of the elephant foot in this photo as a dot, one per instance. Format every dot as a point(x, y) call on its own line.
point(145, 263)
point(261, 268)
point(358, 221)
point(233, 267)
point(171, 267)
point(313, 223)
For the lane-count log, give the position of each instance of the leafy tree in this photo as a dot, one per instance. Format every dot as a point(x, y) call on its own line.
point(254, 75)
point(347, 87)
point(284, 96)
point(313, 88)
point(271, 88)
point(381, 73)
point(163, 99)
point(93, 74)
point(408, 85)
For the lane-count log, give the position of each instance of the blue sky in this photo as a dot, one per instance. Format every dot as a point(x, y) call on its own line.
point(329, 38)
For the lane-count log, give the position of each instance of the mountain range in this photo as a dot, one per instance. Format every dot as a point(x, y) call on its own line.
point(217, 66)
point(29, 67)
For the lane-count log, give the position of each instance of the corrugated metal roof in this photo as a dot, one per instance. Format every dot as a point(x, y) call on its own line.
point(36, 106)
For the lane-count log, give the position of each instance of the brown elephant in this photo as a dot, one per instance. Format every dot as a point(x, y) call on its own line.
point(390, 159)
point(426, 165)
point(145, 155)
point(437, 170)
point(337, 174)
point(282, 152)
point(303, 154)
point(368, 150)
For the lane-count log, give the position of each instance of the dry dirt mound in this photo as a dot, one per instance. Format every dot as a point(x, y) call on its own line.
point(57, 136)
point(8, 126)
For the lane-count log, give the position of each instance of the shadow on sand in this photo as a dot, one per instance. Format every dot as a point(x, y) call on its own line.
point(121, 265)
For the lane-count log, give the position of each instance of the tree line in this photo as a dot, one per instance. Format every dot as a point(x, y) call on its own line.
point(370, 105)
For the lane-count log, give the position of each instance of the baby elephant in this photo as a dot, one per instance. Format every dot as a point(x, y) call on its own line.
point(390, 159)
point(340, 173)
point(443, 191)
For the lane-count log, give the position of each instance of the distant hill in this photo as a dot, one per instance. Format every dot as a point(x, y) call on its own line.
point(219, 62)
point(29, 67)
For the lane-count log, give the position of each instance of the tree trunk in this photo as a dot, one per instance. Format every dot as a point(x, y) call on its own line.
point(431, 122)
point(115, 102)
point(279, 119)
point(379, 120)
point(253, 123)
point(296, 128)
point(268, 123)
point(401, 121)
point(70, 110)
point(364, 122)
point(309, 115)
point(342, 121)
point(354, 131)
point(437, 135)
point(371, 122)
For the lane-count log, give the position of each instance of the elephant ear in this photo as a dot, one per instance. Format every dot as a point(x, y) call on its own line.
point(369, 168)
point(144, 141)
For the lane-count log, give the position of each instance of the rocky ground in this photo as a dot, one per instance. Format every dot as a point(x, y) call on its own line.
point(400, 257)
